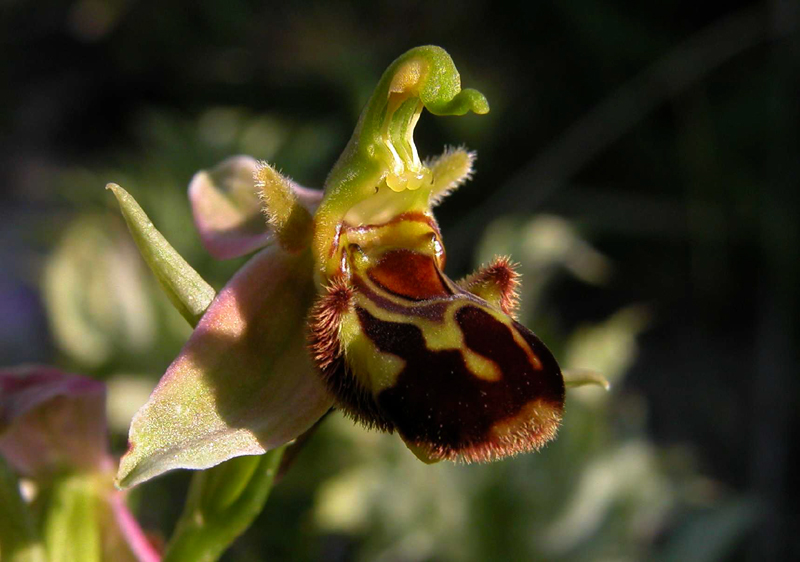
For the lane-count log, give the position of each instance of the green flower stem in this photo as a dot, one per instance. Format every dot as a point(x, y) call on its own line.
point(221, 505)
point(19, 541)
point(223, 501)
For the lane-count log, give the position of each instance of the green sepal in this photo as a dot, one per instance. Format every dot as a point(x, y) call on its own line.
point(19, 541)
point(187, 291)
point(224, 500)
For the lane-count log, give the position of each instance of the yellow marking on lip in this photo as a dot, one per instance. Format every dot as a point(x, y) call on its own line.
point(375, 369)
point(481, 367)
point(443, 336)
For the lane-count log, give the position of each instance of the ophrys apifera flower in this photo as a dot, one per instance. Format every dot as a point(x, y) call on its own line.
point(349, 306)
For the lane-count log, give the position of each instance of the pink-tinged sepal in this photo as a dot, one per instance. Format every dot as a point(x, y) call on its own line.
point(243, 383)
point(227, 207)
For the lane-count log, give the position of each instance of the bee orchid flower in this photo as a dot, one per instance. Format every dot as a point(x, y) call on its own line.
point(347, 305)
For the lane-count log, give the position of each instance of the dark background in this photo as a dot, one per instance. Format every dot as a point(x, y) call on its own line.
point(665, 133)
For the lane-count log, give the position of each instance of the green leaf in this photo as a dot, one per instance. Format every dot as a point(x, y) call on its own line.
point(221, 505)
point(19, 541)
point(187, 291)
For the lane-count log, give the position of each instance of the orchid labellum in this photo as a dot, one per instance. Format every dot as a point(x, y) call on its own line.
point(348, 305)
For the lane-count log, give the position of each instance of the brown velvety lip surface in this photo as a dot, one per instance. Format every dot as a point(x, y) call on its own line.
point(439, 402)
point(433, 310)
point(409, 274)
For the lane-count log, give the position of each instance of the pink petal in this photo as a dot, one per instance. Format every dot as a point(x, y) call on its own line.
point(51, 420)
point(227, 209)
point(244, 382)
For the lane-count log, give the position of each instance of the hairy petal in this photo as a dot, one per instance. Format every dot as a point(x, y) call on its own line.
point(286, 208)
point(243, 383)
point(227, 209)
point(450, 171)
point(496, 283)
point(52, 421)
